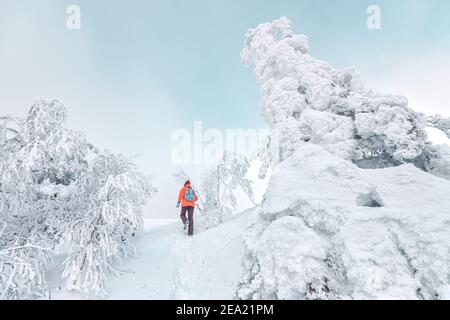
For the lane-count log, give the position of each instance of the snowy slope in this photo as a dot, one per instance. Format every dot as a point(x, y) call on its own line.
point(148, 276)
point(172, 266)
point(210, 264)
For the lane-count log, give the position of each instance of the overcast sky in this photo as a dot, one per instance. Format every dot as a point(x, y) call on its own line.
point(137, 70)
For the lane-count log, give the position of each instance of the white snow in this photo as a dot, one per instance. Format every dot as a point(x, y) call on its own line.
point(437, 136)
point(329, 229)
point(172, 266)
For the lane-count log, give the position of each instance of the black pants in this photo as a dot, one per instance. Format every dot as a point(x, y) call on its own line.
point(190, 218)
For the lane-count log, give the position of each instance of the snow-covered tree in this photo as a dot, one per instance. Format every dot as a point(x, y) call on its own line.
point(307, 100)
point(106, 219)
point(24, 245)
point(219, 185)
point(57, 189)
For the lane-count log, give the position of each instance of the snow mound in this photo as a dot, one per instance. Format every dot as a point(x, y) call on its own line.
point(330, 230)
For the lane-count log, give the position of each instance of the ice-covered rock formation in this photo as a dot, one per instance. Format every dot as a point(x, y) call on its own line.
point(331, 230)
point(305, 99)
point(352, 211)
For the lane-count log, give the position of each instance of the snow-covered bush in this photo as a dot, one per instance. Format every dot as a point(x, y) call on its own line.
point(24, 245)
point(106, 219)
point(24, 254)
point(57, 189)
point(22, 269)
point(219, 185)
point(306, 100)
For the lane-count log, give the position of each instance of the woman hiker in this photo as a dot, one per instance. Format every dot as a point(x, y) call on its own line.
point(187, 199)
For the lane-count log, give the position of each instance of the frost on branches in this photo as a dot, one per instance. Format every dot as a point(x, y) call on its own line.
point(219, 185)
point(306, 100)
point(58, 190)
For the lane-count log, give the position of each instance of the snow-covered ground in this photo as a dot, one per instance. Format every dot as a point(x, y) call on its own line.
point(172, 266)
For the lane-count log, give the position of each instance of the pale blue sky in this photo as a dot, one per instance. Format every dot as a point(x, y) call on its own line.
point(137, 70)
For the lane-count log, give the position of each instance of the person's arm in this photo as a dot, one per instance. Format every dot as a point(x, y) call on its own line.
point(181, 195)
point(196, 198)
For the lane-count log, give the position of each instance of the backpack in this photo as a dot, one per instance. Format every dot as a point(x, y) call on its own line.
point(189, 195)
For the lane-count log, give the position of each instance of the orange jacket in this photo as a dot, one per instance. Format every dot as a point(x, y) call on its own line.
point(183, 201)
